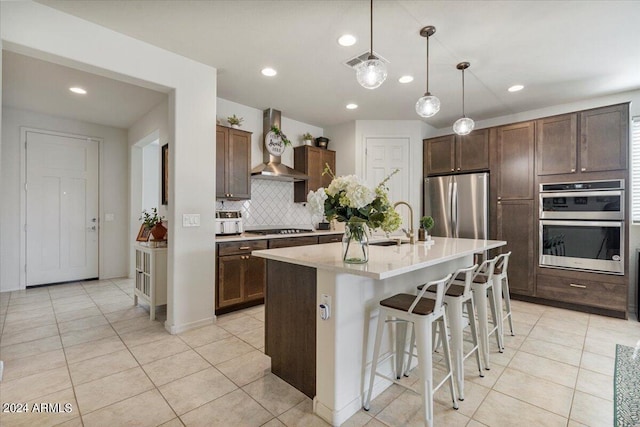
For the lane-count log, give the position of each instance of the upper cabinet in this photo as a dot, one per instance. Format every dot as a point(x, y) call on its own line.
point(233, 163)
point(556, 144)
point(455, 154)
point(311, 161)
point(603, 137)
point(514, 161)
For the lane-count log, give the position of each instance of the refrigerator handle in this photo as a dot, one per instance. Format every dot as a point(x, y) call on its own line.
point(454, 209)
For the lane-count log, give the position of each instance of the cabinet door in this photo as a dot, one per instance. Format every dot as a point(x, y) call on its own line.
point(514, 145)
point(222, 137)
point(254, 278)
point(556, 144)
point(315, 166)
point(516, 225)
point(328, 158)
point(239, 158)
point(472, 151)
point(230, 280)
point(439, 155)
point(604, 136)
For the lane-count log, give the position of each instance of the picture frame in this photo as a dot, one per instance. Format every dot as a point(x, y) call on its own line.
point(165, 174)
point(143, 234)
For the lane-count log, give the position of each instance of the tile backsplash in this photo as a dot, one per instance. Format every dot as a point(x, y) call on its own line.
point(271, 205)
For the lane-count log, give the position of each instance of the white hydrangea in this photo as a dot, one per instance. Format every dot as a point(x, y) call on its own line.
point(340, 183)
point(359, 195)
point(315, 201)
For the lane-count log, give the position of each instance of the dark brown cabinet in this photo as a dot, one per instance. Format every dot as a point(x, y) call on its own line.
point(556, 144)
point(604, 138)
point(311, 161)
point(516, 225)
point(575, 290)
point(514, 158)
point(233, 163)
point(293, 241)
point(453, 153)
point(240, 279)
point(333, 238)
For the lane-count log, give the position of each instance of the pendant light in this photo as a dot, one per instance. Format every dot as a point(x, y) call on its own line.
point(428, 105)
point(464, 125)
point(372, 72)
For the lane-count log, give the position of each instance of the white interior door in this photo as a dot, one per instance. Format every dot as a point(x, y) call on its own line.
point(61, 208)
point(383, 156)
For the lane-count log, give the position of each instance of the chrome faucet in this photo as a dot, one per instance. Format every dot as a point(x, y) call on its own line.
point(411, 233)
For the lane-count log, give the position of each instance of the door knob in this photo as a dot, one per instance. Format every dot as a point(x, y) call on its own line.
point(92, 228)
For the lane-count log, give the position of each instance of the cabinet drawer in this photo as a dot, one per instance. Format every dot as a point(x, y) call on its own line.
point(330, 239)
point(585, 292)
point(293, 241)
point(244, 247)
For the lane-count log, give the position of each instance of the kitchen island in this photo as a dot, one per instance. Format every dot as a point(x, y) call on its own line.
point(329, 360)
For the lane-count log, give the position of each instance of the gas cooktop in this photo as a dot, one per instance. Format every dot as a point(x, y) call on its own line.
point(279, 231)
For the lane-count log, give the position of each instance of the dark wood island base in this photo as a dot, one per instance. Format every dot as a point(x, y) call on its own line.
point(290, 324)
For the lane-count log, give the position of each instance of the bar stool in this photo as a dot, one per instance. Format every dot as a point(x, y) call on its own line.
point(422, 313)
point(500, 277)
point(458, 297)
point(482, 286)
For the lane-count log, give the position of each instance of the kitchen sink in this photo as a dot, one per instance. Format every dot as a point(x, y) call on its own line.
point(388, 243)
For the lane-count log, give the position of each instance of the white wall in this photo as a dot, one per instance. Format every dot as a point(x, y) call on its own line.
point(253, 123)
point(113, 189)
point(343, 142)
point(34, 29)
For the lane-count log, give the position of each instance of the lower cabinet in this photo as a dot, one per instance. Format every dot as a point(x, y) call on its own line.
point(151, 277)
point(240, 277)
point(574, 290)
point(516, 225)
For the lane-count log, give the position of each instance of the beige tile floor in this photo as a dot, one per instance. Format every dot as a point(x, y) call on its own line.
point(85, 344)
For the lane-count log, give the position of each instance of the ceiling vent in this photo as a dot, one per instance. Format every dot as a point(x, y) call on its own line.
point(351, 63)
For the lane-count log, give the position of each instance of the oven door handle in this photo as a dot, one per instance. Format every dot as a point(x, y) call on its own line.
point(573, 223)
point(545, 195)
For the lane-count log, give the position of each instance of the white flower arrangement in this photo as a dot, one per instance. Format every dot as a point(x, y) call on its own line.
point(348, 199)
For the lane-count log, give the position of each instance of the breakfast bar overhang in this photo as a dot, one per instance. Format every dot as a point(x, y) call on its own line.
point(328, 360)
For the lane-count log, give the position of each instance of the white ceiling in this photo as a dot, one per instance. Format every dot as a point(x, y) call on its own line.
point(43, 87)
point(562, 51)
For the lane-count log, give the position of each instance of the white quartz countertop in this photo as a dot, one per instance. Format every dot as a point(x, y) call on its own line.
point(384, 261)
point(247, 235)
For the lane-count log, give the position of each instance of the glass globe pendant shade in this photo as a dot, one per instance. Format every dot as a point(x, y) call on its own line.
point(463, 126)
point(371, 73)
point(428, 105)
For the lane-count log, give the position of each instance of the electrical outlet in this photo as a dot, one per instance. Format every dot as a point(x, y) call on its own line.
point(191, 220)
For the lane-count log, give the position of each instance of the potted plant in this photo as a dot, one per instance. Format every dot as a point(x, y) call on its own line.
point(426, 224)
point(234, 121)
point(307, 138)
point(153, 222)
point(276, 130)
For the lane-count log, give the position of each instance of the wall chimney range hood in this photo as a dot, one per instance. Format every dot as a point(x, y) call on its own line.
point(272, 168)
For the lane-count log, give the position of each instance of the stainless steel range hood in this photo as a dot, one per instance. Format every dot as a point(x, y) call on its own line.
point(272, 168)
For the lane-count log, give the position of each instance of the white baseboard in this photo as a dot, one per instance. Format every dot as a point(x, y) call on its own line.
point(176, 329)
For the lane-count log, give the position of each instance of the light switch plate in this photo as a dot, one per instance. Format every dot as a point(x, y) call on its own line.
point(191, 220)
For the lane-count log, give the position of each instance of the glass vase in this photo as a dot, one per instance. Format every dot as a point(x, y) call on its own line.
point(355, 243)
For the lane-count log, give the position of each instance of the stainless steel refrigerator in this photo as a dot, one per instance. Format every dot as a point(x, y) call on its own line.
point(458, 204)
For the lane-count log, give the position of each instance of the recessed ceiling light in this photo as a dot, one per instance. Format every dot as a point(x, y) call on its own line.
point(78, 90)
point(269, 72)
point(352, 106)
point(515, 88)
point(347, 40)
point(405, 79)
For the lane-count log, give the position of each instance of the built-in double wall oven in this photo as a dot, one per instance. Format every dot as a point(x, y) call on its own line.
point(582, 226)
